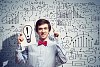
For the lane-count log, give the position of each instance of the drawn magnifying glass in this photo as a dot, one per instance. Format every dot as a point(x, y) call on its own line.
point(27, 30)
point(91, 59)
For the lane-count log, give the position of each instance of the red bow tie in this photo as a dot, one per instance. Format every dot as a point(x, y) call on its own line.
point(42, 43)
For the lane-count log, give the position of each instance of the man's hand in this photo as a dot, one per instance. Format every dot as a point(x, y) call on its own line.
point(20, 39)
point(56, 34)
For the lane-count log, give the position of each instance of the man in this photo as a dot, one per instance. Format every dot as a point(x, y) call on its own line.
point(45, 53)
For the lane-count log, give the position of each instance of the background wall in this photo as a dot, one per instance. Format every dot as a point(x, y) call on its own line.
point(78, 22)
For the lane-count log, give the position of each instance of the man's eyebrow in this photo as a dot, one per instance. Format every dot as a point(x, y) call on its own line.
point(45, 27)
point(39, 28)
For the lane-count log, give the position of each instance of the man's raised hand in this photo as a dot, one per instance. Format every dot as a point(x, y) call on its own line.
point(20, 39)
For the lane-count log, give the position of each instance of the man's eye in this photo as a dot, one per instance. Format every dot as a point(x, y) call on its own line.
point(45, 28)
point(40, 28)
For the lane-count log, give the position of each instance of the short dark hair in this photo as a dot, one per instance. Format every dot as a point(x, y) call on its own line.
point(40, 22)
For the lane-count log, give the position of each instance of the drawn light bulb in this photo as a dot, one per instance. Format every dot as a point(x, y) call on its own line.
point(27, 30)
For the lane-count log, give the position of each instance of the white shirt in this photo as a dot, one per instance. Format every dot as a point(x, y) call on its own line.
point(51, 55)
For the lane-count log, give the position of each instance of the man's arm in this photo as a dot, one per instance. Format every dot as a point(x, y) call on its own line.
point(21, 54)
point(61, 54)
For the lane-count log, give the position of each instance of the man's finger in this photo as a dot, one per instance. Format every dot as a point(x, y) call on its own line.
point(20, 34)
point(21, 40)
point(53, 29)
point(56, 34)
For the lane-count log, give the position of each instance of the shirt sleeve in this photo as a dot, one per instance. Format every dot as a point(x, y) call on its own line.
point(61, 53)
point(21, 54)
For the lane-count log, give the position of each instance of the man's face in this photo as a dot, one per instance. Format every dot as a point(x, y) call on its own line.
point(43, 31)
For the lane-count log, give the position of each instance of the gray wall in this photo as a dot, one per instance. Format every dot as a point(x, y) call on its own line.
point(78, 22)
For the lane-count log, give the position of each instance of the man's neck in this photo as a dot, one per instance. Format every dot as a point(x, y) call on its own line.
point(44, 39)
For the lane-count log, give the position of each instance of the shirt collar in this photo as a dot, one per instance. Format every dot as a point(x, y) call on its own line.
point(47, 39)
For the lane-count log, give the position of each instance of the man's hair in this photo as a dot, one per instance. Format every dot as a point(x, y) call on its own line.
point(40, 22)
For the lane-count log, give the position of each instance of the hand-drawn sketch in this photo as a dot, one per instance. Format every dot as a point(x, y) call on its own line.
point(78, 22)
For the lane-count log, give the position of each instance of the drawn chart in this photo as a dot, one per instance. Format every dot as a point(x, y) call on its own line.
point(78, 22)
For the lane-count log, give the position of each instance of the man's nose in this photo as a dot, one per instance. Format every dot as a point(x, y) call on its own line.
point(43, 30)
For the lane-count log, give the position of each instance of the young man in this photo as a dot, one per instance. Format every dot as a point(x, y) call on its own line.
point(45, 53)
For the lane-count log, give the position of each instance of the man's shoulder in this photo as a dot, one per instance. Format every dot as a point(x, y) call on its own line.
point(52, 42)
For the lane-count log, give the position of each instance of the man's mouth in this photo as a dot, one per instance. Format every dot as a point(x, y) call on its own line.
point(43, 34)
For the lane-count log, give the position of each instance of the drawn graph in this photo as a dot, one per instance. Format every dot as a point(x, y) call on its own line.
point(82, 40)
point(77, 21)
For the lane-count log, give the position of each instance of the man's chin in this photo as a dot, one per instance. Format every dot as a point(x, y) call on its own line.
point(43, 37)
